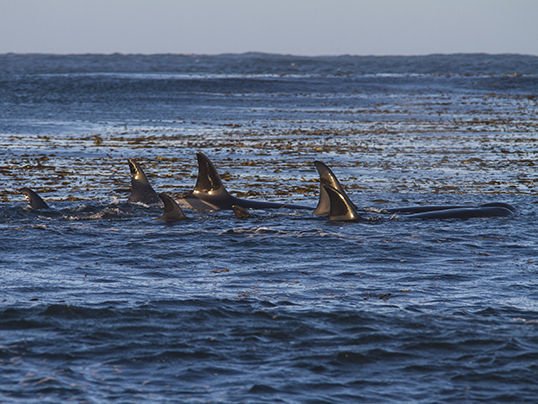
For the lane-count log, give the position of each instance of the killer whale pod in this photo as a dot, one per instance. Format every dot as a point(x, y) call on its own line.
point(210, 194)
point(141, 190)
point(331, 192)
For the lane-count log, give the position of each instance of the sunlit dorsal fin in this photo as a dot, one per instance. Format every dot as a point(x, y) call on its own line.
point(208, 181)
point(34, 200)
point(326, 177)
point(172, 212)
point(141, 190)
point(240, 213)
point(341, 208)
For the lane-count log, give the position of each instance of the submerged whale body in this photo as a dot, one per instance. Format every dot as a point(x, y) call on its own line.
point(431, 208)
point(34, 200)
point(141, 190)
point(464, 213)
point(210, 194)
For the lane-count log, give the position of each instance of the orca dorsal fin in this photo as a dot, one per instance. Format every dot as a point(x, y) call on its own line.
point(141, 190)
point(172, 211)
point(326, 177)
point(208, 181)
point(34, 200)
point(341, 208)
point(240, 213)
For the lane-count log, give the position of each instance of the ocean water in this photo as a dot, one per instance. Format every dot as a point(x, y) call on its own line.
point(101, 304)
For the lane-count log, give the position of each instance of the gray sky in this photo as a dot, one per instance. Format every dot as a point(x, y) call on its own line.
point(300, 27)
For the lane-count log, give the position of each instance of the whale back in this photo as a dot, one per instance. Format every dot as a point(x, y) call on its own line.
point(465, 213)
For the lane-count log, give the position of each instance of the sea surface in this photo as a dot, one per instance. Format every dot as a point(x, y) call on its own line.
point(100, 303)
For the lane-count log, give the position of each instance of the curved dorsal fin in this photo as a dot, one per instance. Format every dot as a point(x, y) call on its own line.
point(34, 200)
point(172, 212)
point(326, 177)
point(341, 208)
point(240, 213)
point(208, 181)
point(141, 190)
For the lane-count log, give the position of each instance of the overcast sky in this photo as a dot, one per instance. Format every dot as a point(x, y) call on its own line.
point(299, 27)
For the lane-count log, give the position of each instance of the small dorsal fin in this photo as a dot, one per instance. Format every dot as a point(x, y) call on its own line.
point(240, 213)
point(341, 208)
point(34, 200)
point(141, 190)
point(172, 212)
point(208, 181)
point(326, 177)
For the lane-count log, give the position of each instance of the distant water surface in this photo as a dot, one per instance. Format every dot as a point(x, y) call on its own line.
point(102, 304)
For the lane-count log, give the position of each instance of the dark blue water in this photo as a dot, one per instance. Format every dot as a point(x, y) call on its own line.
point(103, 304)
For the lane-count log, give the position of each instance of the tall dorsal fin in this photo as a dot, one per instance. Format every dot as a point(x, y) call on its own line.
point(341, 208)
point(208, 181)
point(34, 200)
point(326, 177)
point(172, 212)
point(141, 190)
point(240, 213)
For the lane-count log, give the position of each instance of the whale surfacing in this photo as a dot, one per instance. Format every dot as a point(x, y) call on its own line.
point(210, 194)
point(141, 190)
point(240, 213)
point(341, 209)
point(172, 212)
point(327, 178)
point(334, 202)
point(34, 200)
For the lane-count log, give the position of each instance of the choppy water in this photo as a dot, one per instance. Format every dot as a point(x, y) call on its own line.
point(100, 304)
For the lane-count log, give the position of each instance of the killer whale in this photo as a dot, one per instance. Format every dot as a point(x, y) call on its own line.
point(210, 194)
point(172, 212)
point(342, 210)
point(141, 190)
point(331, 192)
point(34, 200)
point(327, 178)
point(240, 213)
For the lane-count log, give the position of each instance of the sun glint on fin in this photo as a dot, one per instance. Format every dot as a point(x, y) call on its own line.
point(34, 200)
point(141, 190)
point(208, 181)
